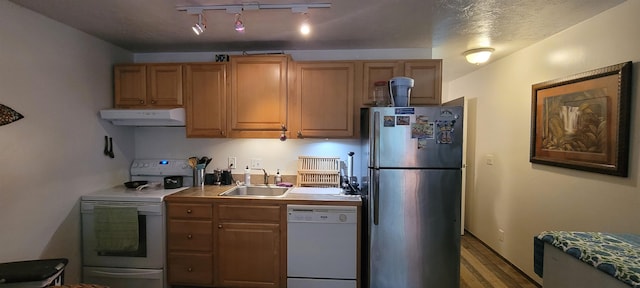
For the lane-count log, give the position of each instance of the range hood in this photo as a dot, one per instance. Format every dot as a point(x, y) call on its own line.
point(144, 117)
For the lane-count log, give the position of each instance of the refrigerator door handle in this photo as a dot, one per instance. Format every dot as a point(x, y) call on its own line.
point(376, 140)
point(375, 197)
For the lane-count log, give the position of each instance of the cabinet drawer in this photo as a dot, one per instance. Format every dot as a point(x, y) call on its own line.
point(249, 213)
point(189, 210)
point(189, 235)
point(190, 269)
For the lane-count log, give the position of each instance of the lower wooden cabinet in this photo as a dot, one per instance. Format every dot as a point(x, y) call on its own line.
point(249, 250)
point(190, 244)
point(226, 245)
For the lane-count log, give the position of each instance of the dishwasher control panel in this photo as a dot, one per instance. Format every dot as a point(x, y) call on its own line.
point(322, 214)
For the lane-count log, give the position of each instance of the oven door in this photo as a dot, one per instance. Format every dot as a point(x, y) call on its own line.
point(151, 246)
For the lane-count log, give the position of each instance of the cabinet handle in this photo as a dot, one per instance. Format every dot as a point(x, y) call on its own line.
point(300, 134)
point(190, 269)
point(189, 236)
point(219, 226)
point(153, 101)
point(189, 211)
point(221, 132)
point(141, 101)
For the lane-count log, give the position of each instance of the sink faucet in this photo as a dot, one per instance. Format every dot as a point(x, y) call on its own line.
point(266, 177)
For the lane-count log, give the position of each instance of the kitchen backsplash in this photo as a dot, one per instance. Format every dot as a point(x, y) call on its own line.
point(170, 142)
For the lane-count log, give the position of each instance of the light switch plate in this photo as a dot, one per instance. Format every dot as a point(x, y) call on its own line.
point(256, 163)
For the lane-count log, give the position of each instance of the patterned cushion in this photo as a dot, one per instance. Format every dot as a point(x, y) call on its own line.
point(615, 254)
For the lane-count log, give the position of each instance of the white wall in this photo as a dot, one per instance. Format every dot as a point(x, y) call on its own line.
point(525, 199)
point(58, 78)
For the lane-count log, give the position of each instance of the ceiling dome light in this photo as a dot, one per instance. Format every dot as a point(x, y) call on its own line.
point(479, 55)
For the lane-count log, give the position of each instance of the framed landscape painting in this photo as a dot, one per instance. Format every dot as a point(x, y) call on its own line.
point(582, 121)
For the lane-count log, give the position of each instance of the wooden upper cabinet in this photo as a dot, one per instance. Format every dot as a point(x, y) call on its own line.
point(148, 85)
point(427, 74)
point(130, 85)
point(427, 89)
point(323, 102)
point(375, 71)
point(258, 102)
point(205, 90)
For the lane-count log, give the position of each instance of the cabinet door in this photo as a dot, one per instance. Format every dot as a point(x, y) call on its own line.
point(130, 85)
point(258, 96)
point(205, 99)
point(323, 100)
point(427, 74)
point(248, 254)
point(165, 85)
point(375, 71)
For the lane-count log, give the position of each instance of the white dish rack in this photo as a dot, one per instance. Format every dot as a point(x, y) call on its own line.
point(316, 171)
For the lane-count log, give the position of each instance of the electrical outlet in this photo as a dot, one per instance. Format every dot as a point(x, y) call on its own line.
point(501, 235)
point(232, 163)
point(256, 164)
point(490, 159)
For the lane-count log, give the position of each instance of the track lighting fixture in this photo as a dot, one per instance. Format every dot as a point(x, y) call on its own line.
point(238, 24)
point(237, 9)
point(199, 27)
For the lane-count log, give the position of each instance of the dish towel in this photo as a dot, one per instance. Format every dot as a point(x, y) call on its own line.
point(116, 228)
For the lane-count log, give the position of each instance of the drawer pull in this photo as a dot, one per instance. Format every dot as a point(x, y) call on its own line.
point(189, 236)
point(189, 211)
point(219, 226)
point(190, 269)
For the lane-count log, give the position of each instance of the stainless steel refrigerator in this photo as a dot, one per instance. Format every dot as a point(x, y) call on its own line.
point(412, 191)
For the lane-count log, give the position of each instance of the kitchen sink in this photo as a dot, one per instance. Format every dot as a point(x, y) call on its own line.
point(253, 191)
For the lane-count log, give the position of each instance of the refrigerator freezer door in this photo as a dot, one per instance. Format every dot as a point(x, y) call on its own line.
point(416, 241)
point(412, 137)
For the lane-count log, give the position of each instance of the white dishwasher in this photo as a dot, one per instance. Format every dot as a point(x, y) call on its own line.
point(322, 246)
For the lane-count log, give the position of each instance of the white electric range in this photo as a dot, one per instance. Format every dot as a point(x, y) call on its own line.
point(144, 265)
point(152, 170)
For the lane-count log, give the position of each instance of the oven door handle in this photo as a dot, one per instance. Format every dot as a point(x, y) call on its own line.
point(143, 209)
point(135, 275)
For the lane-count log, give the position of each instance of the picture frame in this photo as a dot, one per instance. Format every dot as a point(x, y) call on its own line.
point(582, 121)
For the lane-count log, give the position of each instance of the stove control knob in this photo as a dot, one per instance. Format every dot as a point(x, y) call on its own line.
point(134, 165)
point(343, 218)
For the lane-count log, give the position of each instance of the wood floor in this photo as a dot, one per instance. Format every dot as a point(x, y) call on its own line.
point(482, 268)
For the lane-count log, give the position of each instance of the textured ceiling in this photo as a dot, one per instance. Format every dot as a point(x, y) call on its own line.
point(449, 27)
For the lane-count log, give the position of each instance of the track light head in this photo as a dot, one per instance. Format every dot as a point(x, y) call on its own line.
point(238, 26)
point(305, 28)
point(199, 27)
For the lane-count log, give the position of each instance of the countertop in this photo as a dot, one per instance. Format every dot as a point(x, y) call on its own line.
point(308, 196)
